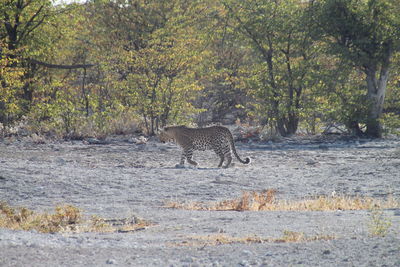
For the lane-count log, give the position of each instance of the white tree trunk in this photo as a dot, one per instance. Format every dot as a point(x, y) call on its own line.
point(376, 96)
point(376, 92)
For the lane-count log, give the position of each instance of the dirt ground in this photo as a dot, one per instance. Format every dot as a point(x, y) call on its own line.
point(121, 179)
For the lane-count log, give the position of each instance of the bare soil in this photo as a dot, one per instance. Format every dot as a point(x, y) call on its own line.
point(119, 179)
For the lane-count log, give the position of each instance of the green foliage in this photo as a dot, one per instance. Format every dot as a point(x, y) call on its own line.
point(26, 32)
point(281, 63)
point(379, 225)
point(280, 76)
point(365, 34)
point(153, 60)
point(391, 121)
point(391, 117)
point(341, 90)
point(10, 83)
point(163, 82)
point(362, 29)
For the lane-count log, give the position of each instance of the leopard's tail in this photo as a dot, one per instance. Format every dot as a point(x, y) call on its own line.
point(247, 160)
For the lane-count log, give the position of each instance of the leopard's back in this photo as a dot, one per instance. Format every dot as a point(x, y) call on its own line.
point(209, 138)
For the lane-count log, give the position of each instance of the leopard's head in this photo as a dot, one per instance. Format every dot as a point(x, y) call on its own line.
point(165, 135)
point(170, 133)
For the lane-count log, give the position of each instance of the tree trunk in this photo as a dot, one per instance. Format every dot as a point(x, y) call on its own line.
point(376, 96)
point(292, 123)
point(287, 126)
point(354, 128)
point(289, 122)
point(280, 126)
point(376, 92)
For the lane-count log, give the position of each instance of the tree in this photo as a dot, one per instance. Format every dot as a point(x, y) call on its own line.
point(29, 31)
point(10, 82)
point(20, 21)
point(365, 33)
point(163, 81)
point(275, 31)
point(149, 57)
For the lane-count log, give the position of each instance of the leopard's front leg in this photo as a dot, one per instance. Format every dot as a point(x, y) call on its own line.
point(183, 157)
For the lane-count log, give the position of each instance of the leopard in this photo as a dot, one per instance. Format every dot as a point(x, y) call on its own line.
point(217, 138)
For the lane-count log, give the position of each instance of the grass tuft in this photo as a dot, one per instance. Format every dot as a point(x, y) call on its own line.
point(378, 225)
point(66, 218)
point(224, 239)
point(296, 237)
point(266, 201)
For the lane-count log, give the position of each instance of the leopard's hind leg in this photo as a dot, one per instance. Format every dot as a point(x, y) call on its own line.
point(226, 150)
point(220, 155)
point(188, 154)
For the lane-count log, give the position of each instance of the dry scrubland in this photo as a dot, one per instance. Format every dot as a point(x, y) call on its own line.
point(302, 201)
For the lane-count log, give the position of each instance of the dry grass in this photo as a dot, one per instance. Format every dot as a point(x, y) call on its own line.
point(66, 218)
point(290, 236)
point(266, 201)
point(224, 239)
point(126, 225)
point(219, 239)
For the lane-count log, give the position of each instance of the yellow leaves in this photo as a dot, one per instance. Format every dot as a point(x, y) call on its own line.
point(10, 84)
point(163, 81)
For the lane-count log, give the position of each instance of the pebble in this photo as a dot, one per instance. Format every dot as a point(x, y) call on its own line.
point(244, 263)
point(60, 161)
point(247, 252)
point(111, 261)
point(326, 252)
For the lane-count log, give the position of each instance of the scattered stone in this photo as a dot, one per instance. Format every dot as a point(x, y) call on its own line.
point(109, 189)
point(60, 161)
point(189, 259)
point(323, 147)
point(140, 140)
point(311, 162)
point(326, 252)
point(244, 263)
point(247, 252)
point(95, 141)
point(111, 261)
point(179, 166)
point(33, 159)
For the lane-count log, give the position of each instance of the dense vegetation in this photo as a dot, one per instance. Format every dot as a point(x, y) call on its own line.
point(100, 66)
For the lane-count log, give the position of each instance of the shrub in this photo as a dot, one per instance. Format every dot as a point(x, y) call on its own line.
point(378, 225)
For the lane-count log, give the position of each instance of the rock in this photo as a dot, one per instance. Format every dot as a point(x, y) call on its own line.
point(95, 141)
point(323, 147)
point(244, 263)
point(179, 166)
point(60, 161)
point(111, 261)
point(326, 252)
point(140, 141)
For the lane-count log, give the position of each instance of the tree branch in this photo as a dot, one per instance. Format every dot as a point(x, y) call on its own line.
point(30, 22)
point(56, 66)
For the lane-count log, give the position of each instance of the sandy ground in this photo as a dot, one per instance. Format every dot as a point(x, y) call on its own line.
point(121, 179)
